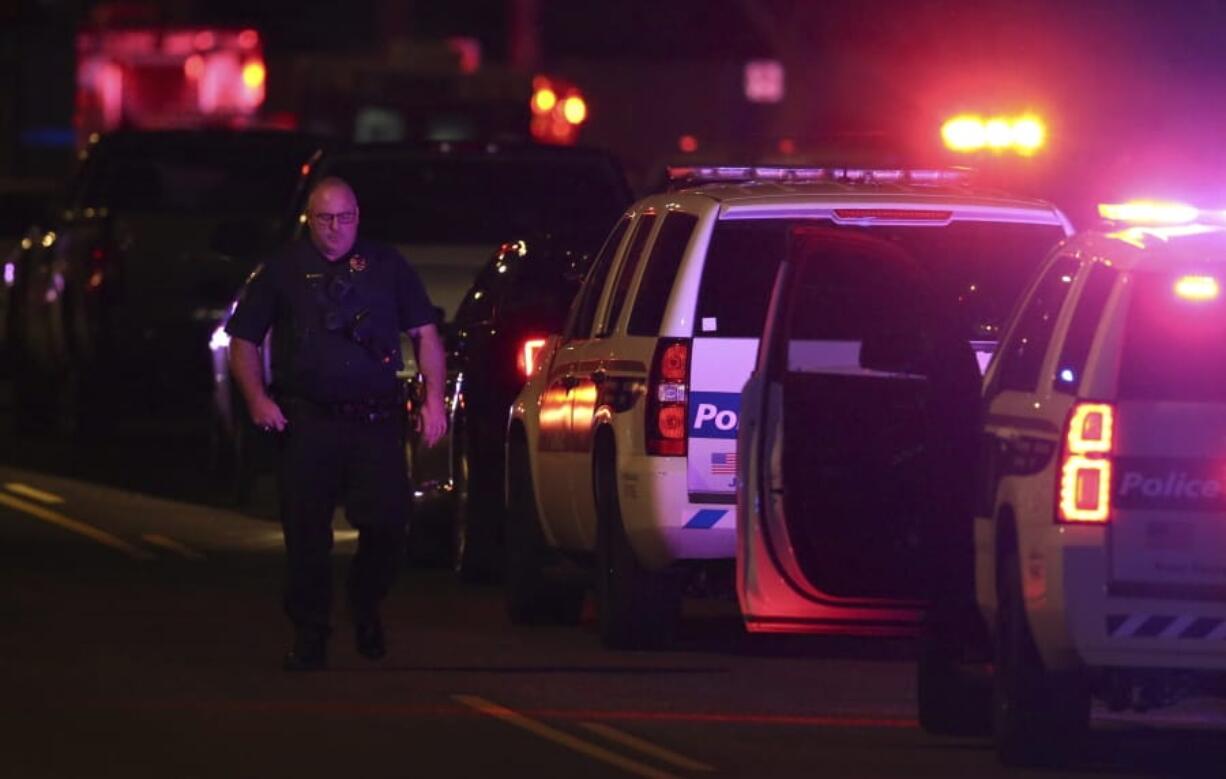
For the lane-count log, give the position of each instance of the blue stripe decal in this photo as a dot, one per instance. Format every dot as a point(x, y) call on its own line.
point(705, 519)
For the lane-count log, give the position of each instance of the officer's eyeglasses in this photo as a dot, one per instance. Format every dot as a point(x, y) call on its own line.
point(325, 218)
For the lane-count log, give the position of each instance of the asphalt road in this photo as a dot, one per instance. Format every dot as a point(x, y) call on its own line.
point(140, 636)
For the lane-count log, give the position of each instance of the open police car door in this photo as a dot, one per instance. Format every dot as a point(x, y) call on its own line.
point(859, 425)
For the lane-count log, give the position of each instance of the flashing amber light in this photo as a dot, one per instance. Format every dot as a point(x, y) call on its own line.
point(1029, 134)
point(254, 74)
point(1085, 472)
point(968, 133)
point(687, 144)
point(574, 109)
point(544, 100)
point(997, 133)
point(1149, 212)
point(1197, 288)
point(193, 66)
point(529, 351)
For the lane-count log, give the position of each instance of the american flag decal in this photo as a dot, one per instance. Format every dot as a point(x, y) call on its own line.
point(723, 463)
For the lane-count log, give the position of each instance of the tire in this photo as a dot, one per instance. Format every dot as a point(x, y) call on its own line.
point(952, 700)
point(476, 513)
point(531, 598)
point(230, 460)
point(639, 609)
point(1040, 717)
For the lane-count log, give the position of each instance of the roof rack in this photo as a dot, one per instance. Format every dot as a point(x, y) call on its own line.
point(692, 176)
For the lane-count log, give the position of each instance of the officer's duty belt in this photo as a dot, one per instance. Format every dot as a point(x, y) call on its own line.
point(364, 410)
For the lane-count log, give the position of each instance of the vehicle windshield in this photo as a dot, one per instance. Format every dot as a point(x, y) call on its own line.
point(259, 180)
point(481, 200)
point(1174, 347)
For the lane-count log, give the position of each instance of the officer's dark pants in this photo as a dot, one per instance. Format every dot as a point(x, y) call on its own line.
point(329, 460)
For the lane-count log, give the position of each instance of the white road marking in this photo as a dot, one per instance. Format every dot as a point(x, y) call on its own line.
point(72, 525)
point(173, 545)
point(26, 491)
point(646, 747)
point(559, 737)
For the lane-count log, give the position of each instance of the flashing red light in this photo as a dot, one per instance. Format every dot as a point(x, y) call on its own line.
point(205, 40)
point(529, 352)
point(787, 146)
point(248, 39)
point(1085, 470)
point(688, 144)
point(193, 66)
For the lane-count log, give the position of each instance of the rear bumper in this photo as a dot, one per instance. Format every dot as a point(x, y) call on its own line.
point(1078, 622)
point(662, 523)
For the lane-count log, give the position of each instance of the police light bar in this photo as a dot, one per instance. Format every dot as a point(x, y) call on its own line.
point(1151, 212)
point(696, 175)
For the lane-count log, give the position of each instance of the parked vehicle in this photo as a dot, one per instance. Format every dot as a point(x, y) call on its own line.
point(112, 302)
point(622, 449)
point(519, 298)
point(1100, 524)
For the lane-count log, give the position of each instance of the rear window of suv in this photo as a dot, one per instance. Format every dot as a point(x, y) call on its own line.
point(980, 267)
point(1174, 348)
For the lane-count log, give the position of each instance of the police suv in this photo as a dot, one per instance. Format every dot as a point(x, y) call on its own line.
point(1101, 535)
point(622, 447)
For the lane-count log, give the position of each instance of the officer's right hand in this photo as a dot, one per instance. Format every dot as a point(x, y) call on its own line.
point(266, 415)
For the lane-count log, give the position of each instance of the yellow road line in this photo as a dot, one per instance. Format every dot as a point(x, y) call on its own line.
point(559, 737)
point(172, 545)
point(646, 747)
point(90, 532)
point(27, 491)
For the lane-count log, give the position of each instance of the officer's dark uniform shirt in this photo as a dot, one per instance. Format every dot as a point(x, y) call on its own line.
point(336, 325)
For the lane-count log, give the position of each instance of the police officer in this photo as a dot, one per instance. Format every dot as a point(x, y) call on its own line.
point(336, 306)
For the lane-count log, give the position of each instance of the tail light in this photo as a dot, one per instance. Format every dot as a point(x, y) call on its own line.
point(1085, 464)
point(667, 398)
point(526, 357)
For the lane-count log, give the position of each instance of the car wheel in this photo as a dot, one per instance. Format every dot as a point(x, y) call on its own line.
point(952, 700)
point(230, 460)
point(1040, 717)
point(638, 608)
point(531, 597)
point(475, 514)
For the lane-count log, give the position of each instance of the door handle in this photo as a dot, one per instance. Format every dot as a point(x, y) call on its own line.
point(599, 375)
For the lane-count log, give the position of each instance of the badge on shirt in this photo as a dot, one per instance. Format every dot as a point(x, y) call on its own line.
point(357, 263)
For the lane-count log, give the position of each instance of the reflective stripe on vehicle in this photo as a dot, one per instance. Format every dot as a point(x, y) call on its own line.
point(1185, 626)
point(704, 519)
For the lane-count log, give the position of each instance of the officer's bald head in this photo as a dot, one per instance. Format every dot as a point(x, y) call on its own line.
point(332, 211)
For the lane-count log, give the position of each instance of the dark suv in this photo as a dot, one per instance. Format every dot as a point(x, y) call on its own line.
point(114, 300)
point(519, 298)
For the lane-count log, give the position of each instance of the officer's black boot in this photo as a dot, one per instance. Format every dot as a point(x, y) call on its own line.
point(368, 635)
point(309, 652)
